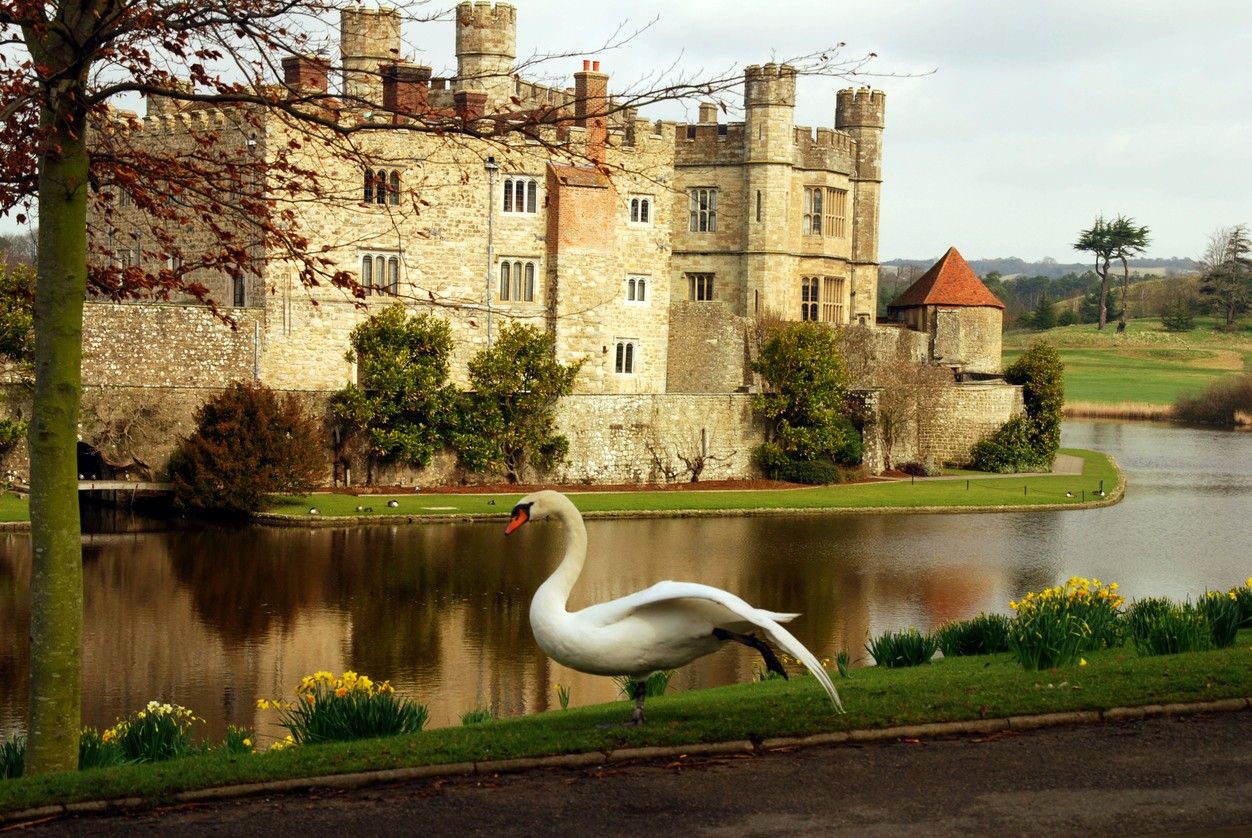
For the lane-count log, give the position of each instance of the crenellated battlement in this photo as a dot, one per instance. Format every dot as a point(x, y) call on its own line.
point(825, 149)
point(769, 84)
point(860, 107)
point(369, 33)
point(486, 29)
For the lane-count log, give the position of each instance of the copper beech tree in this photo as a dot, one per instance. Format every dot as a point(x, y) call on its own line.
point(69, 153)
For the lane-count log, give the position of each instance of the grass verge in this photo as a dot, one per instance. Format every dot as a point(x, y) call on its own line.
point(960, 493)
point(954, 689)
point(1145, 365)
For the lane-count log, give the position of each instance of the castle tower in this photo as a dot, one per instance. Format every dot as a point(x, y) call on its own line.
point(769, 103)
point(861, 114)
point(368, 39)
point(486, 46)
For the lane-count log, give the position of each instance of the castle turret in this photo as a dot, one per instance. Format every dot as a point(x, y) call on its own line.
point(861, 114)
point(486, 46)
point(769, 103)
point(369, 39)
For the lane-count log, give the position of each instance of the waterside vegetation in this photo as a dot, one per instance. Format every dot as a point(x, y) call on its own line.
point(954, 492)
point(951, 689)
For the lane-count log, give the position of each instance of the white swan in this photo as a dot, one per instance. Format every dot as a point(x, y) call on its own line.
point(662, 627)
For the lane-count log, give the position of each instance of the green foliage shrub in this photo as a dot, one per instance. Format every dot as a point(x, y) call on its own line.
point(96, 751)
point(804, 402)
point(1178, 314)
point(477, 716)
point(1068, 317)
point(508, 422)
point(894, 649)
point(330, 709)
point(402, 405)
point(12, 757)
point(158, 732)
point(248, 443)
point(17, 313)
point(985, 634)
point(1029, 442)
point(1223, 614)
point(657, 684)
point(1157, 626)
point(1218, 404)
point(1054, 627)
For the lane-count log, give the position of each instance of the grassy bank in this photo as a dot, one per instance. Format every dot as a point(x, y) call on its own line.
point(946, 690)
point(961, 492)
point(1146, 365)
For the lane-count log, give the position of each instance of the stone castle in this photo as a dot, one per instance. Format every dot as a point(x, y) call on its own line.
point(647, 248)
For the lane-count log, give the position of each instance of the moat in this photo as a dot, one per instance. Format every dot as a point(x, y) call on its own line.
point(215, 618)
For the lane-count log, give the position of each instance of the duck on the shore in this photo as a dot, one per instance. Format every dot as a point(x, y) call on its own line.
point(662, 627)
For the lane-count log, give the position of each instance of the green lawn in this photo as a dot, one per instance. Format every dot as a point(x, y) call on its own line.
point(956, 689)
point(13, 508)
point(978, 491)
point(1146, 365)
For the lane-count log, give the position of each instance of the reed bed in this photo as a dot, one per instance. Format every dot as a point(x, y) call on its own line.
point(1121, 410)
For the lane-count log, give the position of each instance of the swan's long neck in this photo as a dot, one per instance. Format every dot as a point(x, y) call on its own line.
point(553, 594)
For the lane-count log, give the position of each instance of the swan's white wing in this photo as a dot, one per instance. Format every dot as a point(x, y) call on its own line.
point(671, 594)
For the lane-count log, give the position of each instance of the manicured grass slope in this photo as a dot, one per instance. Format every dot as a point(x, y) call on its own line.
point(984, 491)
point(945, 690)
point(1145, 365)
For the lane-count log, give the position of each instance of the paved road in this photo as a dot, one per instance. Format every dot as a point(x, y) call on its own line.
point(1161, 776)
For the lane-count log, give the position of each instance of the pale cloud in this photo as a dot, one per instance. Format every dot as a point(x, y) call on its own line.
point(1036, 117)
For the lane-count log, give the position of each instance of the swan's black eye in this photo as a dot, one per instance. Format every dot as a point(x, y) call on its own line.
point(522, 507)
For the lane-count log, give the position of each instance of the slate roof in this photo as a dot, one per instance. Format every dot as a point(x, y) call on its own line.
point(949, 282)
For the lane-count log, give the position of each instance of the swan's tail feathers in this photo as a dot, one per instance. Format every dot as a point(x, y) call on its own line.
point(796, 649)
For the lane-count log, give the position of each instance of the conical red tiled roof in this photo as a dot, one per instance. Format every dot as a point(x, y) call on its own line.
point(949, 282)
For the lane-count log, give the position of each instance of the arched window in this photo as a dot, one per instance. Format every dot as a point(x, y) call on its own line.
point(393, 275)
point(517, 280)
point(630, 290)
point(367, 273)
point(624, 357)
point(504, 280)
point(642, 294)
point(380, 273)
point(532, 196)
point(380, 187)
point(529, 290)
point(508, 194)
point(395, 188)
point(369, 186)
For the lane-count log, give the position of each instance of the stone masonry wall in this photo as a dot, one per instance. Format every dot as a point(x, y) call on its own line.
point(630, 439)
point(707, 352)
point(964, 414)
point(165, 345)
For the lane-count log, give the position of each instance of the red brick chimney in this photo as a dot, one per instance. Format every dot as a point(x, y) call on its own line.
point(405, 89)
point(591, 100)
point(307, 73)
point(471, 105)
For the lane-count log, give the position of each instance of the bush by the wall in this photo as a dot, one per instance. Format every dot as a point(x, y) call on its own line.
point(1029, 442)
point(249, 442)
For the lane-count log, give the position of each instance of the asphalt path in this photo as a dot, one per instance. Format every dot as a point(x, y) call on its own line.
point(1174, 775)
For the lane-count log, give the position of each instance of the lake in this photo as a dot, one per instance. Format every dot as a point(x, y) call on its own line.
point(216, 617)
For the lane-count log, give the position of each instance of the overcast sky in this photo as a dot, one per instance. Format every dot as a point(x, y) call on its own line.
point(1036, 118)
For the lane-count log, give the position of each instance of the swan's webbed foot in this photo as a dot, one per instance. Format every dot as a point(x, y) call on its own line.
point(771, 660)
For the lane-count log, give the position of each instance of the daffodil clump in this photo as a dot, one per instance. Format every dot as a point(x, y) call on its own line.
point(1054, 627)
point(330, 709)
point(159, 731)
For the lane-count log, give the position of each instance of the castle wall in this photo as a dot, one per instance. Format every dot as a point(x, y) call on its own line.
point(632, 439)
point(963, 414)
point(969, 336)
point(165, 346)
point(711, 355)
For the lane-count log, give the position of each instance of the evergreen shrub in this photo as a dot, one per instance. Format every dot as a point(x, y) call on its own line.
point(248, 443)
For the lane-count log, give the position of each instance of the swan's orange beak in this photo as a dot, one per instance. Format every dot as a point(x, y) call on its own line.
point(520, 516)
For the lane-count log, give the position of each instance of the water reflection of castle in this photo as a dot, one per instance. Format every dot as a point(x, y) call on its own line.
point(214, 619)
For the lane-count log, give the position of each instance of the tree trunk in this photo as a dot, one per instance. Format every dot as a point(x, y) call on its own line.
point(1104, 295)
point(1125, 292)
point(56, 610)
